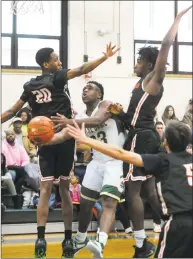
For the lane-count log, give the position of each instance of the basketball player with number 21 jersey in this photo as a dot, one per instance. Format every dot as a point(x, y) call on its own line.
point(104, 175)
point(48, 95)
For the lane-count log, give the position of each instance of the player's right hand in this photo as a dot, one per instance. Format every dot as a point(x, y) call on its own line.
point(115, 108)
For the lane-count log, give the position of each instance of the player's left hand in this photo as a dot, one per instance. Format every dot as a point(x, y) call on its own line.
point(60, 121)
point(110, 51)
point(115, 108)
point(77, 133)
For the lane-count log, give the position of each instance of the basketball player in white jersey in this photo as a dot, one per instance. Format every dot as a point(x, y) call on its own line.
point(103, 177)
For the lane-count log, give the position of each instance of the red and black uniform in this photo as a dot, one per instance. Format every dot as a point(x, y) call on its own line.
point(139, 120)
point(48, 95)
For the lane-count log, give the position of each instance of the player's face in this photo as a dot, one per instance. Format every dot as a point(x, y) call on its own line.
point(17, 127)
point(140, 67)
point(10, 136)
point(54, 64)
point(90, 93)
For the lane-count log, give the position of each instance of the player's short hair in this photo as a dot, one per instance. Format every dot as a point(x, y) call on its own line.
point(101, 88)
point(149, 54)
point(43, 55)
point(178, 136)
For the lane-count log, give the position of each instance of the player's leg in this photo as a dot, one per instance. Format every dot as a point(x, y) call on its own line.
point(64, 165)
point(110, 195)
point(46, 162)
point(140, 143)
point(180, 227)
point(91, 186)
point(152, 198)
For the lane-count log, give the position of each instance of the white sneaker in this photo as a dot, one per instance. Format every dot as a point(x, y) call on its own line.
point(95, 248)
point(156, 228)
point(128, 230)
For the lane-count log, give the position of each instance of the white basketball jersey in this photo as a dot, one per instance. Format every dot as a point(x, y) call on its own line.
point(111, 132)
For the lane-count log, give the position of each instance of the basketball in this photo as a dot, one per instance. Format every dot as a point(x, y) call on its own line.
point(40, 130)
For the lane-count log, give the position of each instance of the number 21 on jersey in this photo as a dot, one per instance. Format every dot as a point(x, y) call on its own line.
point(43, 95)
point(189, 173)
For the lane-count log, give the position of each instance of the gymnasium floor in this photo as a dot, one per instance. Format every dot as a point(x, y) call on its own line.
point(22, 246)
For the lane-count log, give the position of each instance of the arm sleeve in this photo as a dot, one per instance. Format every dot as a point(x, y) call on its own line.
point(24, 97)
point(152, 164)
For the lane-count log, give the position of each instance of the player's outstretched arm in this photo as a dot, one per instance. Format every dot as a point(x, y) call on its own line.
point(12, 111)
point(58, 138)
point(102, 115)
point(90, 66)
point(153, 81)
point(109, 150)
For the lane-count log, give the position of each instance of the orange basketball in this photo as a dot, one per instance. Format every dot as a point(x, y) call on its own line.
point(40, 130)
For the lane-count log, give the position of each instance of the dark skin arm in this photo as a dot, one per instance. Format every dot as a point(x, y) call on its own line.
point(99, 118)
point(90, 66)
point(153, 81)
point(12, 111)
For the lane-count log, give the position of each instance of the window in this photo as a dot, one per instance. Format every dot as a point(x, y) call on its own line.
point(7, 17)
point(6, 51)
point(27, 49)
point(185, 27)
point(38, 24)
point(46, 23)
point(185, 58)
point(150, 28)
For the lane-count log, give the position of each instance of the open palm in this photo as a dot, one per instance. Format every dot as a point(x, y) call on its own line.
point(110, 51)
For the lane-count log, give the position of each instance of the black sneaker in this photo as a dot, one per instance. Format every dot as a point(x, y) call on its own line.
point(40, 248)
point(145, 251)
point(67, 248)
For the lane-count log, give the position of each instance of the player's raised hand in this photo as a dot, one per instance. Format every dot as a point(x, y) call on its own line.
point(110, 51)
point(115, 108)
point(180, 14)
point(77, 133)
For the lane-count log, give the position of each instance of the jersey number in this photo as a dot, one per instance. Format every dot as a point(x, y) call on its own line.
point(189, 173)
point(42, 95)
point(101, 136)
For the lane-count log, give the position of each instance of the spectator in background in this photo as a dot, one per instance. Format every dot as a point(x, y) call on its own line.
point(25, 115)
point(8, 184)
point(18, 163)
point(187, 119)
point(168, 115)
point(160, 129)
point(23, 140)
point(75, 188)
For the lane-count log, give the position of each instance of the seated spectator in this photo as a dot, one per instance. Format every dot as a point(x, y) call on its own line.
point(17, 162)
point(168, 115)
point(160, 129)
point(25, 116)
point(8, 184)
point(23, 140)
point(75, 188)
point(187, 119)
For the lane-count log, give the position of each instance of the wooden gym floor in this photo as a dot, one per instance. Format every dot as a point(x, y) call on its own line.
point(22, 246)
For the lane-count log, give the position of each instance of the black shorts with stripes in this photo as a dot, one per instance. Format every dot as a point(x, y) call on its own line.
point(176, 237)
point(141, 141)
point(57, 160)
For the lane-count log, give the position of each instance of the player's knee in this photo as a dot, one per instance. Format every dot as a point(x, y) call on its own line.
point(108, 202)
point(45, 189)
